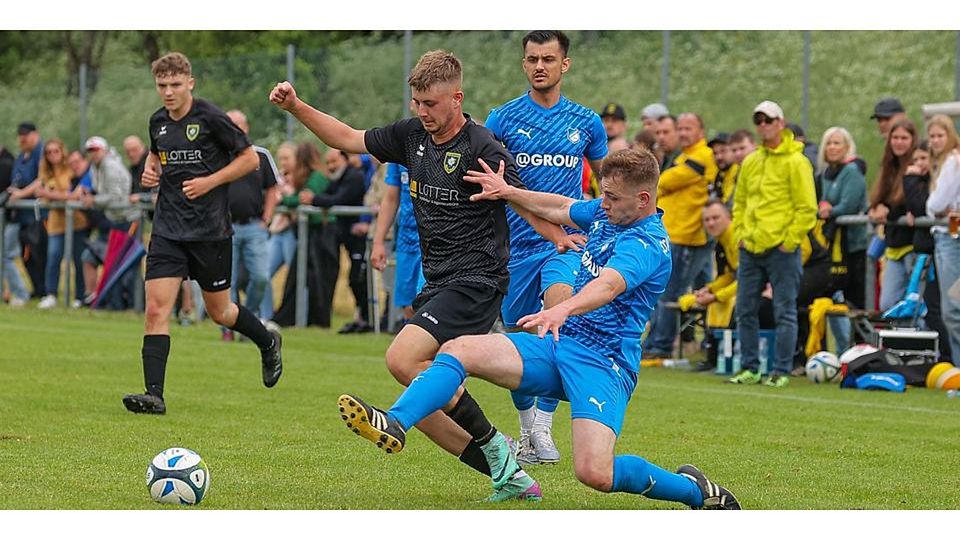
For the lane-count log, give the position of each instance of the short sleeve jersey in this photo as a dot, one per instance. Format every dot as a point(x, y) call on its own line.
point(246, 194)
point(408, 241)
point(640, 253)
point(461, 241)
point(548, 146)
point(204, 141)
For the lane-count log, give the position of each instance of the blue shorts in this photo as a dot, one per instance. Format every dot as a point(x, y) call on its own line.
point(531, 276)
point(409, 279)
point(596, 387)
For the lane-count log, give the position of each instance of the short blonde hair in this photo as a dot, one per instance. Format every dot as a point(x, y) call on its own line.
point(847, 140)
point(435, 67)
point(174, 63)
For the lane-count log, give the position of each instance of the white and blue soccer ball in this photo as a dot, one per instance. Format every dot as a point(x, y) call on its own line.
point(823, 367)
point(178, 476)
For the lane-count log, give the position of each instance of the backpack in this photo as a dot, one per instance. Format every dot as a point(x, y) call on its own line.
point(914, 368)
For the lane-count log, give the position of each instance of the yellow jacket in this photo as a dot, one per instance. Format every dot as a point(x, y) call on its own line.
point(682, 192)
point(728, 181)
point(724, 287)
point(775, 201)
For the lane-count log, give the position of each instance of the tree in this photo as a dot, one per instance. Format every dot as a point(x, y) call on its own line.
point(84, 47)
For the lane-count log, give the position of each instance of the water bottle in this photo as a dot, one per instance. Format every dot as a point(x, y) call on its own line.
point(679, 363)
point(951, 394)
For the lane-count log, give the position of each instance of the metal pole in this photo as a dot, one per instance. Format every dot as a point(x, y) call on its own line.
point(83, 104)
point(665, 69)
point(291, 55)
point(67, 254)
point(806, 81)
point(407, 66)
point(301, 292)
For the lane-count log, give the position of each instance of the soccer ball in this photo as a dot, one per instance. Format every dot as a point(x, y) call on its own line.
point(823, 367)
point(177, 476)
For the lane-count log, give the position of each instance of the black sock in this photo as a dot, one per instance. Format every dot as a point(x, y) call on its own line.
point(467, 414)
point(249, 325)
point(156, 348)
point(473, 456)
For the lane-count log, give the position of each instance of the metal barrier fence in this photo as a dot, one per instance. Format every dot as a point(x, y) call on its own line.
point(301, 214)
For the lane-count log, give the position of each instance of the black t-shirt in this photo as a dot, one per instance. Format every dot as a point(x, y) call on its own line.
point(349, 190)
point(199, 144)
point(246, 194)
point(461, 241)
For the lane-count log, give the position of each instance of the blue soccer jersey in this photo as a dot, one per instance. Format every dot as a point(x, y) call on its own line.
point(407, 238)
point(640, 253)
point(548, 146)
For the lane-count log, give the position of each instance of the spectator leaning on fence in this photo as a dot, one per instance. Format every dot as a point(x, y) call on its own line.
point(887, 205)
point(945, 200)
point(32, 237)
point(916, 188)
point(774, 207)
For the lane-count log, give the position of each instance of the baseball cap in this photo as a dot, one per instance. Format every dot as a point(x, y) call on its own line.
point(26, 127)
point(720, 138)
point(887, 107)
point(655, 111)
point(96, 143)
point(615, 110)
point(769, 108)
point(893, 382)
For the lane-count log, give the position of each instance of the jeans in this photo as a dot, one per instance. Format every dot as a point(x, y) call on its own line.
point(250, 250)
point(688, 261)
point(280, 250)
point(11, 248)
point(55, 246)
point(947, 254)
point(840, 326)
point(783, 270)
point(896, 276)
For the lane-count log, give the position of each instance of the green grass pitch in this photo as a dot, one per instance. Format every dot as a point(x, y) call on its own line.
point(66, 441)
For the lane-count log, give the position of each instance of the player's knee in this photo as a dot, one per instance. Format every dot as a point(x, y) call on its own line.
point(155, 311)
point(593, 475)
point(400, 365)
point(218, 316)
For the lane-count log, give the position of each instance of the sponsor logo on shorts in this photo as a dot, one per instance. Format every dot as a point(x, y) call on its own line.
point(599, 404)
point(219, 282)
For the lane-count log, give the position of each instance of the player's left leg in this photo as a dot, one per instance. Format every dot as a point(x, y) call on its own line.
point(210, 264)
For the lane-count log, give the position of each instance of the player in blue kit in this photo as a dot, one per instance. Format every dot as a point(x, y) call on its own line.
point(548, 136)
point(396, 205)
point(592, 356)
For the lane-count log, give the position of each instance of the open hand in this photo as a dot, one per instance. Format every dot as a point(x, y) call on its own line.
point(493, 185)
point(548, 320)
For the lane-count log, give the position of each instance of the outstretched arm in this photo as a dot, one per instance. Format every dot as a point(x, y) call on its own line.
point(328, 129)
point(549, 206)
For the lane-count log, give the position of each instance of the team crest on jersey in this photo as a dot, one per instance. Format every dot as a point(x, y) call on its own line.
point(573, 135)
point(450, 162)
point(665, 245)
point(192, 131)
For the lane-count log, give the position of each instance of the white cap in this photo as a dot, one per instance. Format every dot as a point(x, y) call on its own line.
point(654, 111)
point(769, 108)
point(96, 142)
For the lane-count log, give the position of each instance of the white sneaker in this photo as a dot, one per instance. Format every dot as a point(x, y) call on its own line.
point(526, 453)
point(17, 302)
point(545, 448)
point(47, 302)
point(76, 304)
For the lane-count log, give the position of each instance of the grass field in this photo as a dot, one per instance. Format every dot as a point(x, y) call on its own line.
point(67, 443)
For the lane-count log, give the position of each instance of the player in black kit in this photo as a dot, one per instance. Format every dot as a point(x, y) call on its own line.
point(195, 151)
point(465, 249)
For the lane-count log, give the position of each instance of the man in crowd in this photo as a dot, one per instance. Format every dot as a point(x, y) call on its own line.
point(668, 142)
point(650, 114)
point(727, 168)
point(23, 228)
point(741, 144)
point(887, 112)
point(615, 124)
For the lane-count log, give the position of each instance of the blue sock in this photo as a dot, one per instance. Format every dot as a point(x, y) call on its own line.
point(521, 401)
point(429, 391)
point(547, 404)
point(633, 474)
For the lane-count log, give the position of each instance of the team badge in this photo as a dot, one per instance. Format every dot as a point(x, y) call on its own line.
point(192, 131)
point(573, 135)
point(665, 245)
point(450, 162)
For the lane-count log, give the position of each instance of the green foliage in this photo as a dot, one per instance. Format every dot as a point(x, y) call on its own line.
point(359, 76)
point(67, 443)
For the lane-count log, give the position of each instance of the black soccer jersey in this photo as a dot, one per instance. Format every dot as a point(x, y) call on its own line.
point(199, 144)
point(461, 241)
point(246, 194)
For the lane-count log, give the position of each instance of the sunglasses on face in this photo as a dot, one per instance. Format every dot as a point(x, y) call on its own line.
point(763, 120)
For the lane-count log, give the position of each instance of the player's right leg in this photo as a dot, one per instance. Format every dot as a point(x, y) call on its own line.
point(161, 294)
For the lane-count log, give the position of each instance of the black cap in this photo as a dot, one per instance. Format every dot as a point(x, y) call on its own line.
point(887, 107)
point(615, 110)
point(796, 129)
point(26, 127)
point(720, 138)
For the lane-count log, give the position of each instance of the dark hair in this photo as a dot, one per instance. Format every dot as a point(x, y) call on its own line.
point(924, 145)
point(889, 186)
point(741, 135)
point(546, 36)
point(713, 201)
point(634, 166)
point(644, 139)
point(666, 117)
point(306, 160)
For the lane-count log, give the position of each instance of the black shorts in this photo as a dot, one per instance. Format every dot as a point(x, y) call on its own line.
point(209, 263)
point(460, 309)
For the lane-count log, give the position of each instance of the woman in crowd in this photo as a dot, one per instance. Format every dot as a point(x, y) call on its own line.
point(282, 243)
point(54, 185)
point(887, 205)
point(944, 201)
point(916, 188)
